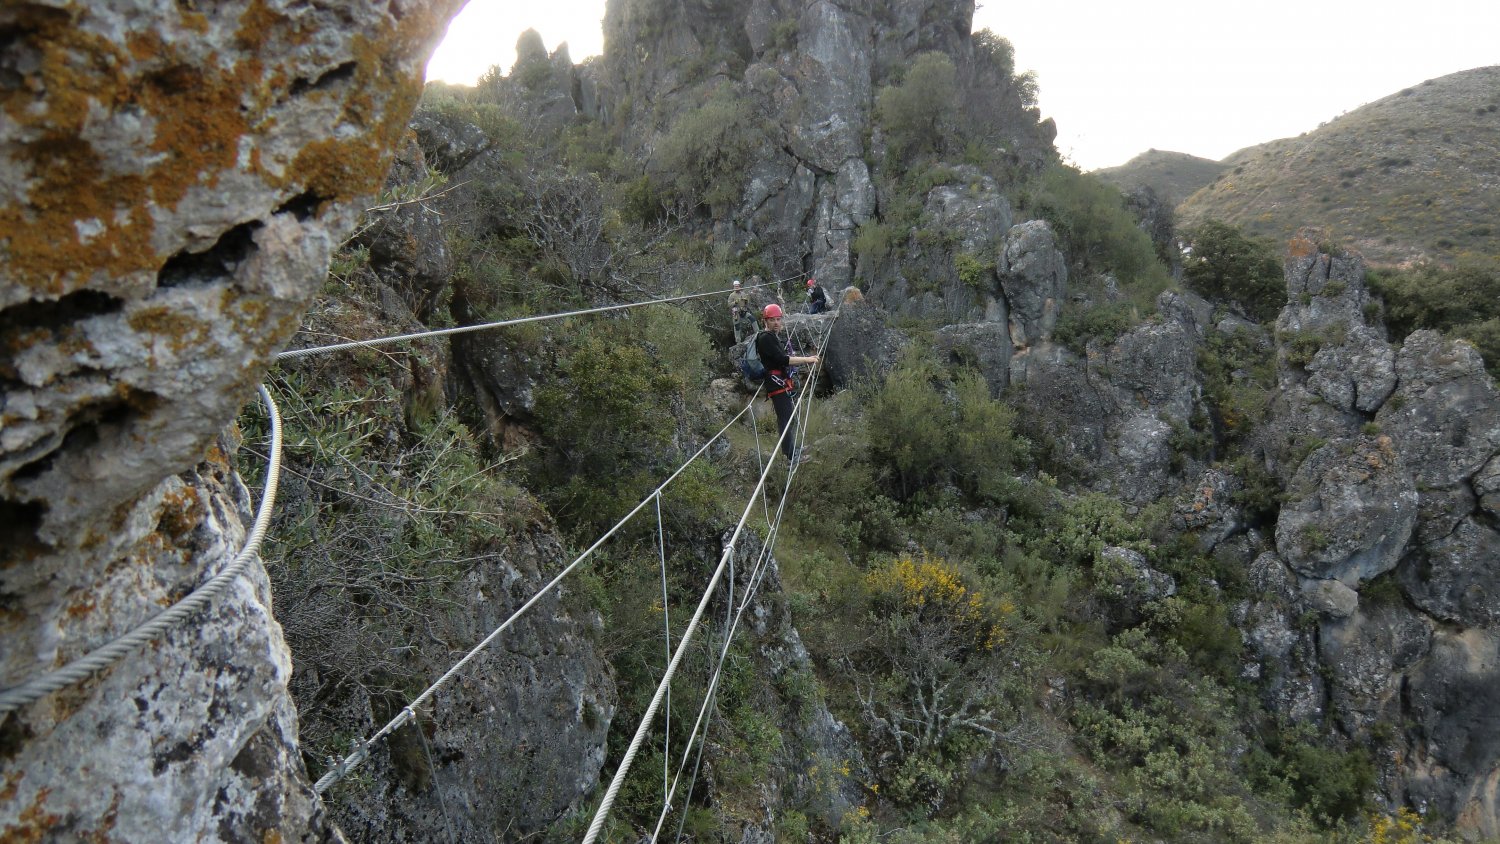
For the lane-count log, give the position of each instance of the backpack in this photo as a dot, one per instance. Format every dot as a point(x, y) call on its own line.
point(751, 365)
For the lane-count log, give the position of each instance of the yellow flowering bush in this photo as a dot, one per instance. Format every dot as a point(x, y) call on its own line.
point(931, 590)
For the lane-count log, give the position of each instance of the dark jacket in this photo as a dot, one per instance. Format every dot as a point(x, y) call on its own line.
point(778, 365)
point(772, 355)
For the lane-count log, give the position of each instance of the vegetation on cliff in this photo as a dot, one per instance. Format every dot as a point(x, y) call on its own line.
point(1016, 655)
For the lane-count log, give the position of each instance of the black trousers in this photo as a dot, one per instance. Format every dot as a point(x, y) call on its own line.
point(783, 400)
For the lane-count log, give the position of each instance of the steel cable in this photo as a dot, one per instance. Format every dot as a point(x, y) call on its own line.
point(605, 806)
point(292, 354)
point(106, 655)
point(362, 752)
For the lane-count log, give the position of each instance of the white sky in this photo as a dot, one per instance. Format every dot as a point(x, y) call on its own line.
point(1205, 77)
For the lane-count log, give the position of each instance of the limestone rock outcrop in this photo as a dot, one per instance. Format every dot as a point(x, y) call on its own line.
point(1387, 451)
point(1034, 277)
point(173, 180)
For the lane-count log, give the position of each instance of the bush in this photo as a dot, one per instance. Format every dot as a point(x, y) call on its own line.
point(927, 438)
point(931, 686)
point(1460, 302)
point(918, 113)
point(1227, 266)
point(704, 156)
point(1091, 218)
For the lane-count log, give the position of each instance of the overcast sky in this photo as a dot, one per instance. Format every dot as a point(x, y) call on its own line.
point(1205, 77)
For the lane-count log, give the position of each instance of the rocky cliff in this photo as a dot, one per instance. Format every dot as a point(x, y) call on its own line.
point(175, 180)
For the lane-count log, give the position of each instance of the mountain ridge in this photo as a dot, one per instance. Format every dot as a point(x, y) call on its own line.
point(1410, 177)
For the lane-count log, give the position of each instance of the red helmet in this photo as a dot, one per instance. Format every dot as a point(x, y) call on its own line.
point(771, 311)
point(811, 282)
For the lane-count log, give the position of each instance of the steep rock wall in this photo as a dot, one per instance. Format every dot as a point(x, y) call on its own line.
point(814, 68)
point(173, 180)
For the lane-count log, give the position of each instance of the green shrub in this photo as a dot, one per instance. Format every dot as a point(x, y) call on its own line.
point(924, 437)
point(1098, 230)
point(873, 242)
point(705, 155)
point(1227, 266)
point(918, 113)
point(972, 271)
point(1077, 327)
point(1460, 302)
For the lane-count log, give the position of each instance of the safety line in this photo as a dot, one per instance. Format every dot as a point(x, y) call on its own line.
point(757, 573)
point(752, 587)
point(666, 624)
point(602, 813)
point(465, 329)
point(362, 752)
point(104, 656)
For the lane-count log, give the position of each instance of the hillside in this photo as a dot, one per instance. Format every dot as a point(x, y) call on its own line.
point(1408, 177)
point(1174, 176)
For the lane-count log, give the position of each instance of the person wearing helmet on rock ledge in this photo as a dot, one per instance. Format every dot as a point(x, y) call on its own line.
point(817, 300)
point(780, 387)
point(741, 313)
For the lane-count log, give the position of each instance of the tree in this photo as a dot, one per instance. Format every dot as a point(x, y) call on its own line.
point(1224, 264)
point(918, 113)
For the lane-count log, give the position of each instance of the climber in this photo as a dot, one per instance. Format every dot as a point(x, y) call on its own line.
point(781, 389)
point(817, 300)
point(741, 315)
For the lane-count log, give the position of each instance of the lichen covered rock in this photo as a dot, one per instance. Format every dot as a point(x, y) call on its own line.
point(173, 179)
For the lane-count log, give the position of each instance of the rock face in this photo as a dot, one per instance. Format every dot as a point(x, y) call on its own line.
point(1114, 415)
point(514, 741)
point(816, 69)
point(1387, 453)
point(174, 181)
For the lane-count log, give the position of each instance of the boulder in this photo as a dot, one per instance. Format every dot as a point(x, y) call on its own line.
point(983, 346)
point(1367, 652)
point(1350, 510)
point(1283, 653)
point(448, 143)
point(1445, 415)
point(1357, 375)
point(1210, 512)
point(1329, 597)
point(1033, 277)
point(862, 345)
point(970, 208)
point(1454, 578)
point(1129, 580)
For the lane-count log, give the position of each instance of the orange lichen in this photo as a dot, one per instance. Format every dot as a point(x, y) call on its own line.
point(181, 512)
point(1301, 247)
point(178, 329)
point(34, 823)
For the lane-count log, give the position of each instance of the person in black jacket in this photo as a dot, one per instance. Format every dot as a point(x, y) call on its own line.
point(780, 387)
point(817, 300)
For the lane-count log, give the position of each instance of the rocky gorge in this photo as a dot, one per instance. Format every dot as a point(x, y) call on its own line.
point(143, 303)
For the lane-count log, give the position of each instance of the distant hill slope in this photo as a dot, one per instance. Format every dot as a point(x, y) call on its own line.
point(1415, 175)
point(1174, 176)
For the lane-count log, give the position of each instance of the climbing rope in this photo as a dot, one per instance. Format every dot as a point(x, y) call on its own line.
point(753, 582)
point(465, 329)
point(362, 752)
point(102, 657)
point(602, 813)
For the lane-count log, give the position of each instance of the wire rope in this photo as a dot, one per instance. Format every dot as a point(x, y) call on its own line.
point(362, 751)
point(602, 813)
point(106, 655)
point(752, 587)
point(465, 329)
point(666, 623)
